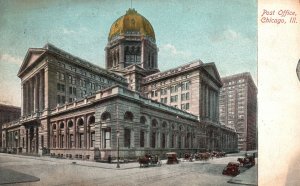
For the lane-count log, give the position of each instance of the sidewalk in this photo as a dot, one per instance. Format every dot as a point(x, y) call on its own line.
point(249, 177)
point(87, 163)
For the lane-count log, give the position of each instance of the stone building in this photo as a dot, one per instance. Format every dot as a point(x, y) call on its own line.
point(238, 108)
point(73, 108)
point(8, 113)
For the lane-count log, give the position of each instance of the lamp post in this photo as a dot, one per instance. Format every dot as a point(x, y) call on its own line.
point(118, 157)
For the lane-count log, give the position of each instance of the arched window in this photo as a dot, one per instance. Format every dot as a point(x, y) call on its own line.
point(54, 126)
point(80, 122)
point(105, 116)
point(154, 123)
point(164, 125)
point(128, 116)
point(61, 125)
point(143, 120)
point(70, 123)
point(91, 120)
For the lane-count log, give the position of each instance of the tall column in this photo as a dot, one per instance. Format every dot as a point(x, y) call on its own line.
point(132, 145)
point(32, 95)
point(24, 98)
point(85, 132)
point(121, 56)
point(147, 144)
point(158, 143)
point(46, 90)
point(41, 90)
point(29, 97)
point(35, 94)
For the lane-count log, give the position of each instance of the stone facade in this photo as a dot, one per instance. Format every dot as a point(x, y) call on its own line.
point(72, 108)
point(8, 113)
point(238, 108)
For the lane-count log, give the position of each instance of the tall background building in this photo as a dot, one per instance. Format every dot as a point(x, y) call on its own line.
point(238, 108)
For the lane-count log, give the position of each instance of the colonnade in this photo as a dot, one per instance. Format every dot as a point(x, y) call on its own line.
point(33, 94)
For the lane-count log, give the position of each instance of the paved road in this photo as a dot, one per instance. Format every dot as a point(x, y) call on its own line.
point(62, 172)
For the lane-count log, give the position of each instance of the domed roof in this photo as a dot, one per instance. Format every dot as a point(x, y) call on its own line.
point(131, 23)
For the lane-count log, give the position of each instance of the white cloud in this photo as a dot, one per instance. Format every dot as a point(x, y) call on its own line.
point(68, 31)
point(10, 59)
point(229, 35)
point(173, 51)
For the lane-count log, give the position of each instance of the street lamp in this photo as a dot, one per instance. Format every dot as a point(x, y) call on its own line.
point(118, 163)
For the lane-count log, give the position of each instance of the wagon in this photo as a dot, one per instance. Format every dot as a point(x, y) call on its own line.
point(149, 160)
point(232, 169)
point(172, 158)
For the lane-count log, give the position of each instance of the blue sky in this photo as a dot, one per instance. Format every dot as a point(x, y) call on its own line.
point(220, 31)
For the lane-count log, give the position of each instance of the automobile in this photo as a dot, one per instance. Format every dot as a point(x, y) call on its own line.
point(172, 158)
point(232, 169)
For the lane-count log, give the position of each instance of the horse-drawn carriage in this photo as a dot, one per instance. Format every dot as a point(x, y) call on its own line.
point(247, 161)
point(232, 169)
point(149, 160)
point(203, 156)
point(188, 157)
point(172, 158)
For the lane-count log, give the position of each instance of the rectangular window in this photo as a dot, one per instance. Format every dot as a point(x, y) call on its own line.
point(127, 138)
point(63, 99)
point(62, 139)
point(62, 87)
point(42, 141)
point(163, 140)
point(163, 91)
point(153, 139)
point(81, 140)
point(71, 141)
point(58, 87)
point(70, 79)
point(107, 138)
point(74, 90)
point(185, 85)
point(174, 88)
point(70, 90)
point(54, 141)
point(92, 139)
point(58, 99)
point(142, 139)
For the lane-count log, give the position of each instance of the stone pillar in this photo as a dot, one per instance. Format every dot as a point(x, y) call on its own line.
point(35, 96)
point(32, 96)
point(46, 89)
point(143, 65)
point(121, 56)
point(147, 139)
point(132, 138)
point(85, 132)
point(158, 143)
point(27, 140)
point(41, 90)
point(29, 97)
point(66, 134)
point(36, 133)
point(88, 137)
point(167, 139)
point(22, 99)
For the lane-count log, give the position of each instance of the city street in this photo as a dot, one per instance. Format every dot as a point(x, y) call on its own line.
point(26, 170)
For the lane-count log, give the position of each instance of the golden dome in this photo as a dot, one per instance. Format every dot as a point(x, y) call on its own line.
point(131, 22)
